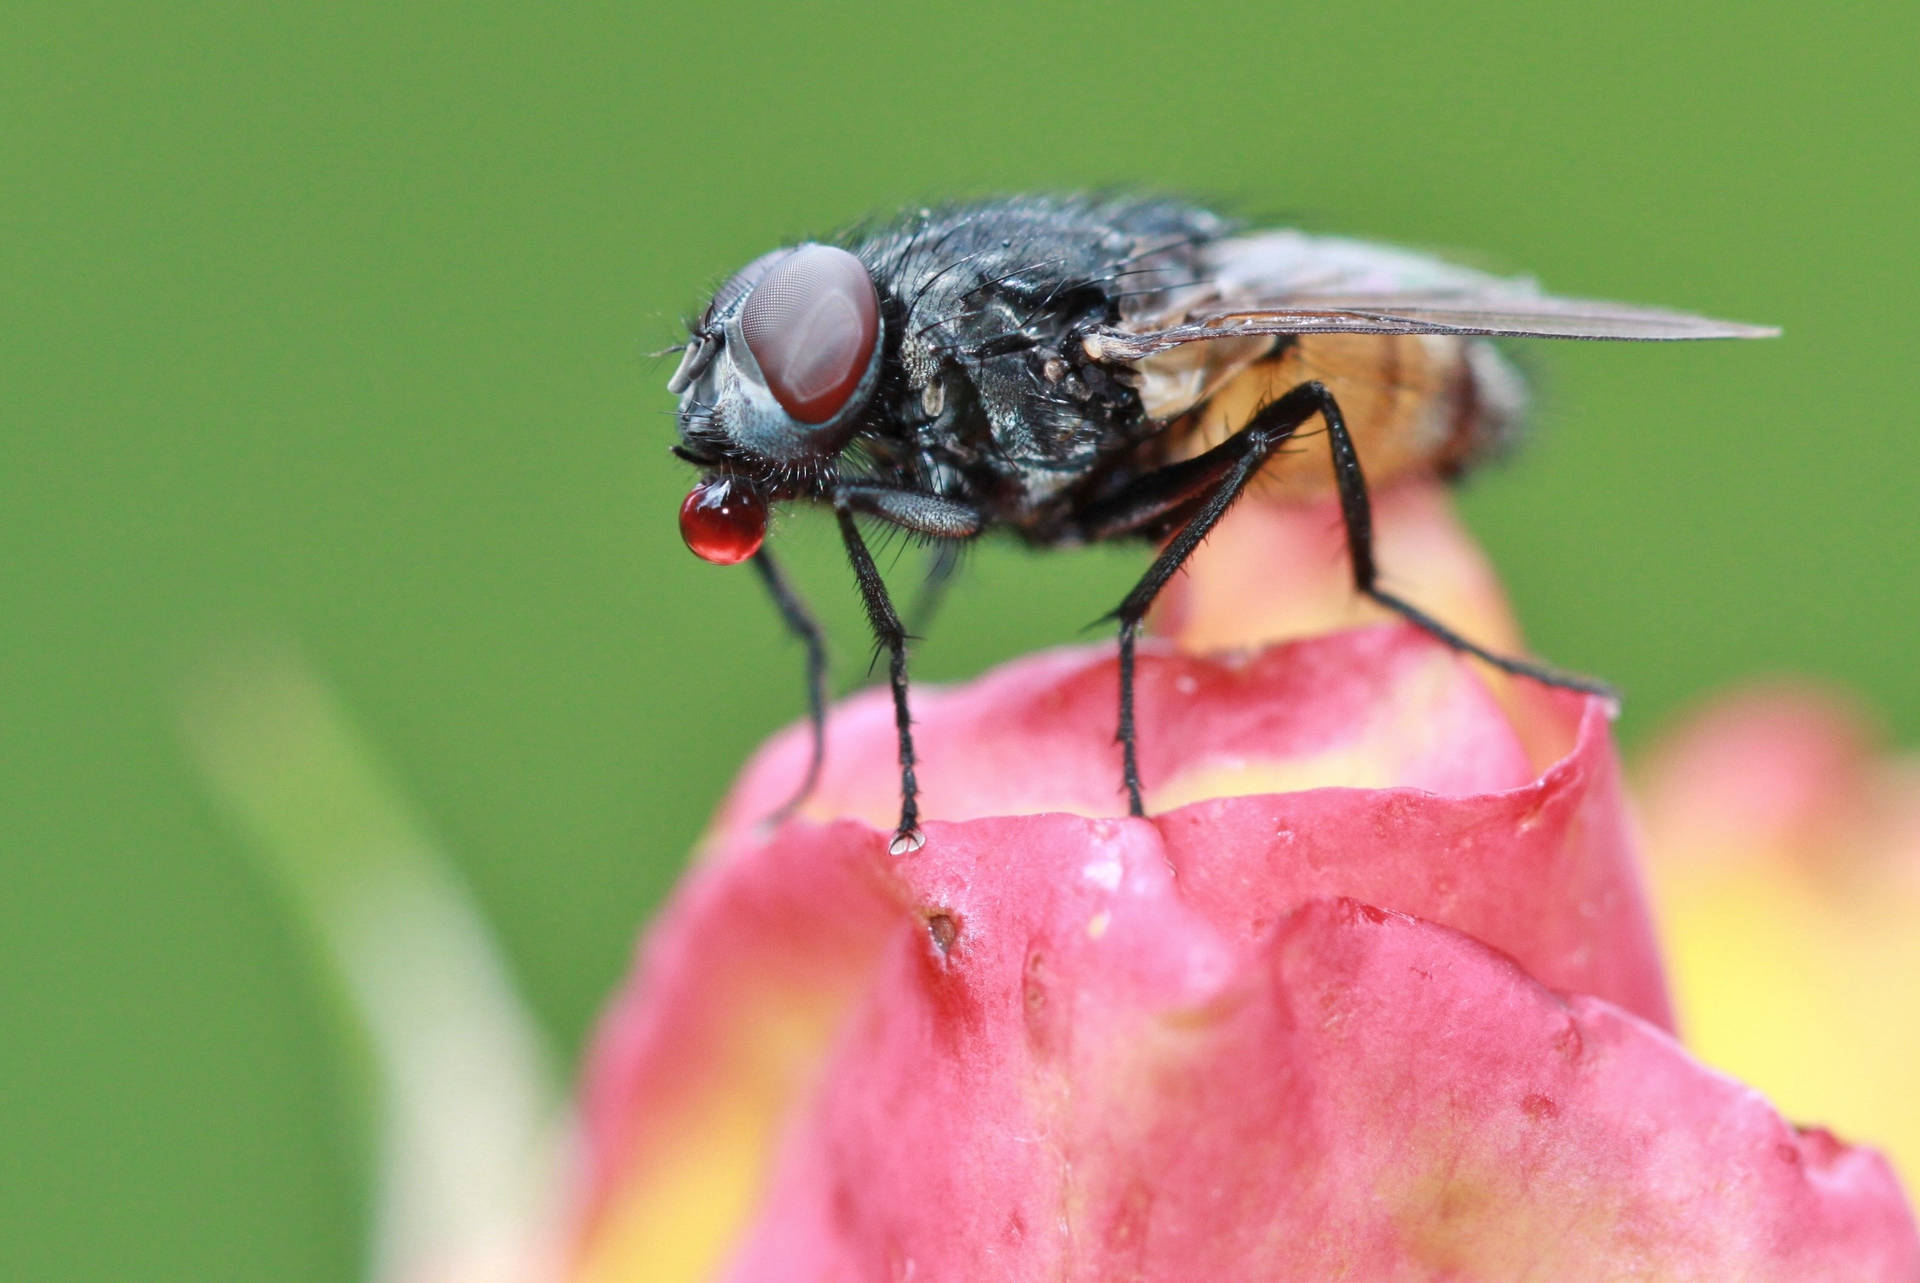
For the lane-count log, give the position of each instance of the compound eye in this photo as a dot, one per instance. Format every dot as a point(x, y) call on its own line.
point(811, 324)
point(723, 520)
point(739, 283)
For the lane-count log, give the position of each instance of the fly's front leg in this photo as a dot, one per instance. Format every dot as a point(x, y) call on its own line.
point(928, 515)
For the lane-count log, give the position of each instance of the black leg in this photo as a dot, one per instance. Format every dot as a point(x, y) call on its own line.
point(1356, 511)
point(1217, 477)
point(890, 635)
point(924, 514)
point(801, 624)
point(1206, 486)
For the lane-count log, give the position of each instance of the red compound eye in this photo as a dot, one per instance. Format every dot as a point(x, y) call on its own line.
point(811, 323)
point(723, 521)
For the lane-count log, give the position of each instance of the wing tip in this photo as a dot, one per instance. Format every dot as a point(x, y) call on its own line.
point(1714, 329)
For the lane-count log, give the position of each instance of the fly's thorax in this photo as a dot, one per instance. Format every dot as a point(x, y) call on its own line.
point(998, 291)
point(1414, 404)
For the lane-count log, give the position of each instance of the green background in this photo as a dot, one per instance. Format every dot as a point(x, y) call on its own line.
point(327, 324)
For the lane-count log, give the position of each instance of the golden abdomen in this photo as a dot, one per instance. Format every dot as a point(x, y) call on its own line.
point(1415, 404)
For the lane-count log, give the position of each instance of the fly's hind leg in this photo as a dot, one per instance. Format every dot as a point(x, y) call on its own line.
point(1356, 514)
point(1201, 489)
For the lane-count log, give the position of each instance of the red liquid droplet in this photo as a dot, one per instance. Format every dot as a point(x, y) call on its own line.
point(723, 521)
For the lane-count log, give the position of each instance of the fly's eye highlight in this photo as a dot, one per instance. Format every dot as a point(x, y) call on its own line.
point(811, 324)
point(723, 520)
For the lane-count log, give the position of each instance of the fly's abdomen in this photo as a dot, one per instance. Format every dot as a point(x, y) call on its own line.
point(1415, 405)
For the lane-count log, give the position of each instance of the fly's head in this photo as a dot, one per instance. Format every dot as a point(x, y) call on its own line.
point(776, 375)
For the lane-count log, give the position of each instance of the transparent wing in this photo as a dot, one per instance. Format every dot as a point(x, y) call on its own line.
point(1497, 317)
point(1290, 283)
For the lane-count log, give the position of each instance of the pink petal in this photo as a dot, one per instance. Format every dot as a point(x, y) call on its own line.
point(749, 975)
point(1276, 571)
point(1356, 1095)
point(1373, 708)
point(1370, 763)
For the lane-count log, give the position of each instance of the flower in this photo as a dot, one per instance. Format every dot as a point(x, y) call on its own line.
point(1786, 848)
point(1373, 994)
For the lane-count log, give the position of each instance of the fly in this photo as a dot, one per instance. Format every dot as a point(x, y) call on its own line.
point(1073, 370)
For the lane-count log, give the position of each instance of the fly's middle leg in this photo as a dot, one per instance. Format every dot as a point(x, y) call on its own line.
point(1206, 486)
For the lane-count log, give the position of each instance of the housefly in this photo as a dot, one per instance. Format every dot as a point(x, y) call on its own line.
point(1080, 369)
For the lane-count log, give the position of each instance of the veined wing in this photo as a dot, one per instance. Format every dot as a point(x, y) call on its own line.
point(1289, 283)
